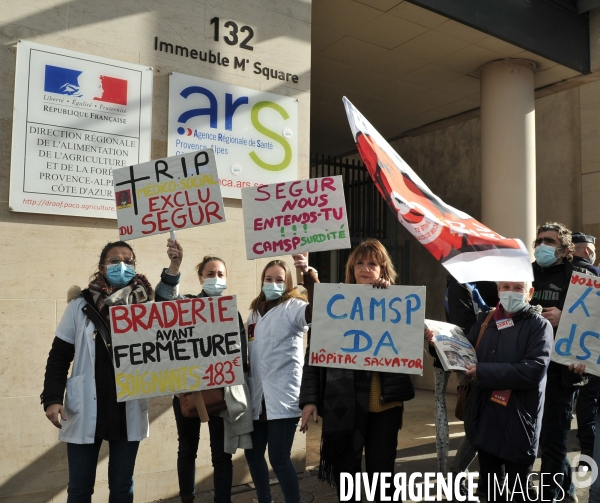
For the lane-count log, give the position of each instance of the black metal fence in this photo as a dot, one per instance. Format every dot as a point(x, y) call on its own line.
point(368, 217)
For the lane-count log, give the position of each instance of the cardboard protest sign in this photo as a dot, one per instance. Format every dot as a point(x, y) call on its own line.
point(165, 348)
point(363, 328)
point(294, 217)
point(578, 336)
point(168, 194)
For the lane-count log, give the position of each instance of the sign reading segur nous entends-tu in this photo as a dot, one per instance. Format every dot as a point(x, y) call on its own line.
point(578, 335)
point(254, 134)
point(364, 328)
point(168, 194)
point(176, 346)
point(294, 217)
point(76, 118)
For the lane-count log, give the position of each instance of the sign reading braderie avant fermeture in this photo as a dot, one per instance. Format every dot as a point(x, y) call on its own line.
point(175, 346)
point(168, 194)
point(364, 328)
point(76, 118)
point(578, 335)
point(294, 217)
point(254, 134)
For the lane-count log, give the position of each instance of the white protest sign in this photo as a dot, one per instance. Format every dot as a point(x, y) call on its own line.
point(294, 217)
point(165, 348)
point(364, 328)
point(168, 194)
point(578, 335)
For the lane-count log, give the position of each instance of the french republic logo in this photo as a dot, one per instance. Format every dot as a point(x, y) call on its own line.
point(85, 85)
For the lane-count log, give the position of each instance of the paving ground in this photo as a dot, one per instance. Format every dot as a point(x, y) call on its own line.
point(416, 453)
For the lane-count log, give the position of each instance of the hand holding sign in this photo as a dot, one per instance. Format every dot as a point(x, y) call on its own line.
point(175, 253)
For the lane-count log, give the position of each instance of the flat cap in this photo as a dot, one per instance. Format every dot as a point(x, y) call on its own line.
point(580, 237)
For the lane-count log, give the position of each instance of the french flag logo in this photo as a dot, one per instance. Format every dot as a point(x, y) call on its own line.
point(85, 85)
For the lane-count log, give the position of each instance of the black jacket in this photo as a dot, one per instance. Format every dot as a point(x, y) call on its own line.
point(515, 358)
point(394, 387)
point(551, 283)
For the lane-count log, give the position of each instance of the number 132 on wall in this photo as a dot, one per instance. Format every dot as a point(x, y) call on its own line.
point(232, 37)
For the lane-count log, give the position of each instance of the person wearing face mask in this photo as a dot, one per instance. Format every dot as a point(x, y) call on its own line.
point(506, 398)
point(90, 413)
point(552, 272)
point(280, 315)
point(360, 409)
point(226, 433)
point(584, 256)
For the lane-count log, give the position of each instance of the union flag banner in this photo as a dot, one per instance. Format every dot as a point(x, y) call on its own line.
point(469, 250)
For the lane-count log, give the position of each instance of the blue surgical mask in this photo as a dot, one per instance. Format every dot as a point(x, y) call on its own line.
point(273, 291)
point(119, 275)
point(214, 286)
point(512, 302)
point(545, 255)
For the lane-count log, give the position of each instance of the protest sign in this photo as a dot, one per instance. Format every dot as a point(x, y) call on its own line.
point(578, 336)
point(469, 250)
point(294, 217)
point(177, 346)
point(364, 328)
point(168, 194)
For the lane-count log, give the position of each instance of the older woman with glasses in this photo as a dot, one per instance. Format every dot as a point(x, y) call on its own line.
point(90, 413)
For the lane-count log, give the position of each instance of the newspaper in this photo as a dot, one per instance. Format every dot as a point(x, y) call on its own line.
point(454, 351)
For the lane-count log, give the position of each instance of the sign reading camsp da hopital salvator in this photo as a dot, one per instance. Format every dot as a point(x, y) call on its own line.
point(76, 118)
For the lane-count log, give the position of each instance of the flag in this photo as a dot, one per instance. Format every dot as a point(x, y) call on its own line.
point(61, 80)
point(469, 250)
point(113, 90)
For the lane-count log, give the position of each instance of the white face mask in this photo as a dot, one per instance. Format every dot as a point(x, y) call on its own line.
point(512, 302)
point(214, 286)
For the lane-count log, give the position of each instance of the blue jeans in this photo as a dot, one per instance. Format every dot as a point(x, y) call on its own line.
point(595, 489)
point(279, 435)
point(188, 432)
point(83, 459)
point(556, 423)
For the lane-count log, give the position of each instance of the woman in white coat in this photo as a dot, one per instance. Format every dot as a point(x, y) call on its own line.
point(90, 413)
point(280, 316)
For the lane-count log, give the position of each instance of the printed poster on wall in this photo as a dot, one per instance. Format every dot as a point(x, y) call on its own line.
point(295, 217)
point(578, 336)
point(168, 195)
point(184, 345)
point(469, 250)
point(76, 118)
point(254, 134)
point(364, 328)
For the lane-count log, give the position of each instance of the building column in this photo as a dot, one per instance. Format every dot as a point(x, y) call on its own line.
point(508, 197)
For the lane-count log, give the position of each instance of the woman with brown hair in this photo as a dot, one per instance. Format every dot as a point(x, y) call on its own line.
point(90, 413)
point(212, 274)
point(360, 409)
point(280, 316)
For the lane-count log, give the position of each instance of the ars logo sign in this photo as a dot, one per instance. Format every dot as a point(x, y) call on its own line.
point(253, 134)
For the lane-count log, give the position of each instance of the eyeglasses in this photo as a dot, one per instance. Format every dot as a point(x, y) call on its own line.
point(117, 261)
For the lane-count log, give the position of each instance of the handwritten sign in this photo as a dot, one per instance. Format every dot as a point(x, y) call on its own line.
point(294, 217)
point(168, 194)
point(578, 335)
point(171, 347)
point(364, 328)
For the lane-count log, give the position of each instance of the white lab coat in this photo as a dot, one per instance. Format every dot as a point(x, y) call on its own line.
point(276, 358)
point(80, 399)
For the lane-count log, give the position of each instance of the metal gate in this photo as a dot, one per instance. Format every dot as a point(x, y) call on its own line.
point(368, 217)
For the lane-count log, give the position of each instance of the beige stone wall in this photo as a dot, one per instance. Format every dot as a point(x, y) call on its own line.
point(43, 255)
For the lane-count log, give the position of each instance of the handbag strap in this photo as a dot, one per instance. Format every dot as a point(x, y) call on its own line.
point(484, 325)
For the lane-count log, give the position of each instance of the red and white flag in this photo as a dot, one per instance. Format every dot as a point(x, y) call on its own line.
point(469, 250)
